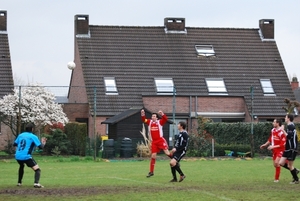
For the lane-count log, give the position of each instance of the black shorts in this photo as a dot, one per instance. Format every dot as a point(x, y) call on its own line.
point(178, 155)
point(30, 162)
point(290, 154)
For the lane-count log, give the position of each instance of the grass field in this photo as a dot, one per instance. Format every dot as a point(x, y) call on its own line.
point(77, 178)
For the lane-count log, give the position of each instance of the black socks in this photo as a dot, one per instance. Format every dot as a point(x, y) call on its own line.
point(21, 173)
point(173, 170)
point(177, 168)
point(294, 173)
point(37, 175)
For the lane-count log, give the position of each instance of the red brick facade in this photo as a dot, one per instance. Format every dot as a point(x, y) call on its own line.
point(189, 105)
point(196, 104)
point(6, 136)
point(80, 112)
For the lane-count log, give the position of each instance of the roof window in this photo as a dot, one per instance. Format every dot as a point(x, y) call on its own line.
point(164, 85)
point(267, 87)
point(205, 50)
point(216, 86)
point(110, 86)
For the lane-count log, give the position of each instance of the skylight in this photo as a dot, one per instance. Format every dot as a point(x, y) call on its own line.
point(164, 85)
point(110, 85)
point(205, 50)
point(267, 86)
point(216, 85)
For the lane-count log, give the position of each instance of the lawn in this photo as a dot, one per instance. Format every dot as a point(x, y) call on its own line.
point(75, 178)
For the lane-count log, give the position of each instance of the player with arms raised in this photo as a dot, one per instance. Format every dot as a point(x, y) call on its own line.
point(158, 142)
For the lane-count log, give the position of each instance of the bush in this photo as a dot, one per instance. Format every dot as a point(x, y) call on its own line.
point(240, 133)
point(236, 137)
point(57, 142)
point(199, 145)
point(77, 135)
point(90, 146)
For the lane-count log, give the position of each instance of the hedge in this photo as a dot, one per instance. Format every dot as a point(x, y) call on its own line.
point(229, 136)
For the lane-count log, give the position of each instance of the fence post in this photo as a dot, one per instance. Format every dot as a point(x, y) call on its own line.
point(95, 141)
point(212, 147)
point(19, 113)
point(252, 140)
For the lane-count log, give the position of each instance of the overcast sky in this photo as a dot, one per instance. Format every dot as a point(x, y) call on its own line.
point(41, 32)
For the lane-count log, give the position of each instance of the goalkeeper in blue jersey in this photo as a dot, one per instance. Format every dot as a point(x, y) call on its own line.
point(25, 143)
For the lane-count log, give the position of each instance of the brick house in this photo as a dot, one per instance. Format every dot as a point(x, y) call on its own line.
point(6, 77)
point(296, 90)
point(184, 71)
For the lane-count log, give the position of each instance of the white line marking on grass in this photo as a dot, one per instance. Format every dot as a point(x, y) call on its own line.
point(159, 184)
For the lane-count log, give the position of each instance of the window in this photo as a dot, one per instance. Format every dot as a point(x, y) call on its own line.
point(205, 50)
point(110, 85)
point(164, 85)
point(267, 86)
point(216, 85)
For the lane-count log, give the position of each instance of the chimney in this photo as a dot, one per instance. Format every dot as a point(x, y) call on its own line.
point(294, 83)
point(81, 24)
point(267, 28)
point(3, 20)
point(175, 24)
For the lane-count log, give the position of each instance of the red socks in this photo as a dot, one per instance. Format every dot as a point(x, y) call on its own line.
point(152, 164)
point(277, 173)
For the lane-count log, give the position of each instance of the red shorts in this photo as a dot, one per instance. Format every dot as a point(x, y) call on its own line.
point(277, 154)
point(157, 145)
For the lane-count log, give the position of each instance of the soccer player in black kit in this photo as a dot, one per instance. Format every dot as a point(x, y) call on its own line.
point(291, 147)
point(179, 151)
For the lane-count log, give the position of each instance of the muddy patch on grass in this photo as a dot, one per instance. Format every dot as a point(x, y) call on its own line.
point(77, 191)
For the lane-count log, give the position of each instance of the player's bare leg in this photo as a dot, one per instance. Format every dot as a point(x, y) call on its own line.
point(168, 153)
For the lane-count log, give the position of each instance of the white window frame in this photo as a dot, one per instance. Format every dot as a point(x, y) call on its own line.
point(164, 85)
point(216, 86)
point(110, 86)
point(205, 50)
point(267, 87)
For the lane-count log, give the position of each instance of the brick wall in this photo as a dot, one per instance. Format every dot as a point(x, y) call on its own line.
point(5, 136)
point(100, 128)
point(76, 110)
point(77, 92)
point(81, 111)
point(188, 104)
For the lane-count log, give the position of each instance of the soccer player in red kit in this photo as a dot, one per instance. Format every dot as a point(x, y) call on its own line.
point(276, 143)
point(158, 142)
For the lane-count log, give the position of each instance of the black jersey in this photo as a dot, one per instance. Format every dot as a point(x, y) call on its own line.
point(181, 142)
point(291, 138)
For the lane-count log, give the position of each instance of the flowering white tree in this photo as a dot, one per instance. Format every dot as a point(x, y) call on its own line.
point(35, 103)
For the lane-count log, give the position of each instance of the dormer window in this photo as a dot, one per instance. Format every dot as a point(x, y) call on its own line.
point(110, 86)
point(216, 86)
point(267, 87)
point(164, 85)
point(205, 50)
